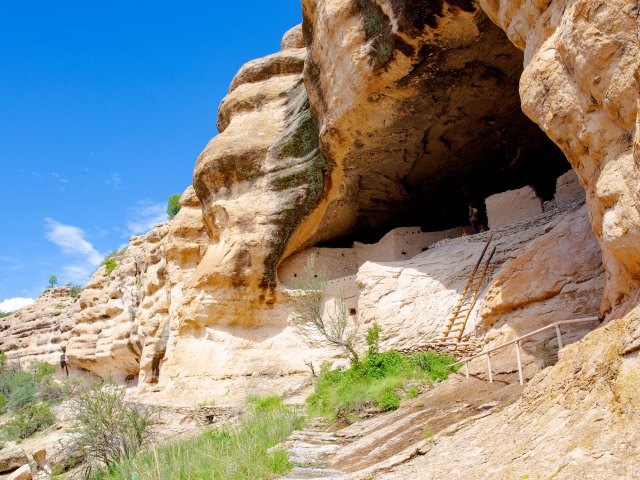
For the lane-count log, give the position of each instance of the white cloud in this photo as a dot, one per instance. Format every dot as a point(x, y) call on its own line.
point(144, 216)
point(13, 304)
point(62, 181)
point(72, 242)
point(114, 180)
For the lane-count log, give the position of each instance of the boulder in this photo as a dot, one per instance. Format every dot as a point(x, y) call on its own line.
point(23, 473)
point(12, 457)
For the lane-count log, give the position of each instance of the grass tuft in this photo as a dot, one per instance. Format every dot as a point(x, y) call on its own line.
point(380, 381)
point(229, 453)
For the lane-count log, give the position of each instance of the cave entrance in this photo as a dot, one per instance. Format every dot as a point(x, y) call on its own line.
point(453, 132)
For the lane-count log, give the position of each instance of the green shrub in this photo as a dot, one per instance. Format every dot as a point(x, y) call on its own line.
point(229, 453)
point(373, 337)
point(389, 400)
point(173, 205)
point(377, 381)
point(21, 389)
point(110, 266)
point(110, 260)
point(3, 404)
point(28, 421)
point(74, 291)
point(5, 314)
point(42, 371)
point(108, 429)
point(412, 391)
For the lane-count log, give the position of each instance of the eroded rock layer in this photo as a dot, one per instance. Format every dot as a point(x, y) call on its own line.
point(581, 85)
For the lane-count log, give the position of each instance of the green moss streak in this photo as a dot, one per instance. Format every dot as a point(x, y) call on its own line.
point(303, 142)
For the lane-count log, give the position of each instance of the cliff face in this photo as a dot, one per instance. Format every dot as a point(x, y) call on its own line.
point(580, 84)
point(37, 332)
point(377, 115)
point(123, 325)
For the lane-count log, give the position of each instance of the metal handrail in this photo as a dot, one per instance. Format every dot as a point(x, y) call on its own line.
point(517, 342)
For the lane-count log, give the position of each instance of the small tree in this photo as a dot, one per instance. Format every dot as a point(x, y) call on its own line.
point(109, 429)
point(173, 205)
point(336, 327)
point(53, 281)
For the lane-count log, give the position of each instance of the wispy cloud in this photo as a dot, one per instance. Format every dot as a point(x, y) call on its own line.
point(71, 240)
point(114, 180)
point(144, 215)
point(62, 181)
point(13, 304)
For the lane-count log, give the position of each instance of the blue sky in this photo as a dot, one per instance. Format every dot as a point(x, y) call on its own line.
point(104, 108)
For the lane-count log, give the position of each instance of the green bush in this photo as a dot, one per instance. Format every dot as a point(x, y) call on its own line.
point(109, 430)
point(3, 404)
point(42, 371)
point(74, 291)
point(21, 389)
point(5, 314)
point(412, 391)
point(173, 205)
point(110, 260)
point(110, 266)
point(230, 453)
point(28, 421)
point(389, 400)
point(377, 381)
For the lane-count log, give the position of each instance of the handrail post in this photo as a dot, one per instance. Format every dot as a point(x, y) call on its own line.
point(466, 369)
point(489, 368)
point(559, 335)
point(519, 360)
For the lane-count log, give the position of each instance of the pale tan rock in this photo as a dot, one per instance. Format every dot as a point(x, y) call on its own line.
point(580, 84)
point(23, 473)
point(532, 282)
point(40, 457)
point(124, 319)
point(12, 457)
point(37, 332)
point(569, 190)
point(395, 115)
point(512, 206)
point(293, 38)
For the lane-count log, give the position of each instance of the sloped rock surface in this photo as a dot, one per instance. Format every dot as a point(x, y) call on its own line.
point(37, 332)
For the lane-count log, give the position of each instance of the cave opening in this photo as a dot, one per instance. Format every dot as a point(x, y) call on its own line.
point(437, 203)
point(453, 133)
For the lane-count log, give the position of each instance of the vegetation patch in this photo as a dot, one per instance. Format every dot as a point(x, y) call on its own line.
point(110, 263)
point(74, 291)
point(229, 453)
point(302, 142)
point(379, 382)
point(378, 30)
point(173, 205)
point(27, 396)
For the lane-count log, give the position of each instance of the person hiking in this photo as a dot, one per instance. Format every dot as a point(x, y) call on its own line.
point(473, 218)
point(64, 361)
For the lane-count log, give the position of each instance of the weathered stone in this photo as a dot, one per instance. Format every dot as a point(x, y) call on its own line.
point(293, 38)
point(12, 457)
point(512, 207)
point(581, 85)
point(23, 473)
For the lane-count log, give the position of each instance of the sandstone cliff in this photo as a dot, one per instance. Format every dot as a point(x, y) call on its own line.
point(37, 332)
point(374, 117)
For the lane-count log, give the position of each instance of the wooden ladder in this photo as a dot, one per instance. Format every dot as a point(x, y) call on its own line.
point(460, 315)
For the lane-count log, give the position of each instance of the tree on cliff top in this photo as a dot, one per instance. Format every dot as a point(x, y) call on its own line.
point(173, 205)
point(53, 281)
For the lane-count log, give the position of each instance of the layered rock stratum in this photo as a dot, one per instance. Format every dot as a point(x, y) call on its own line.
point(377, 116)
